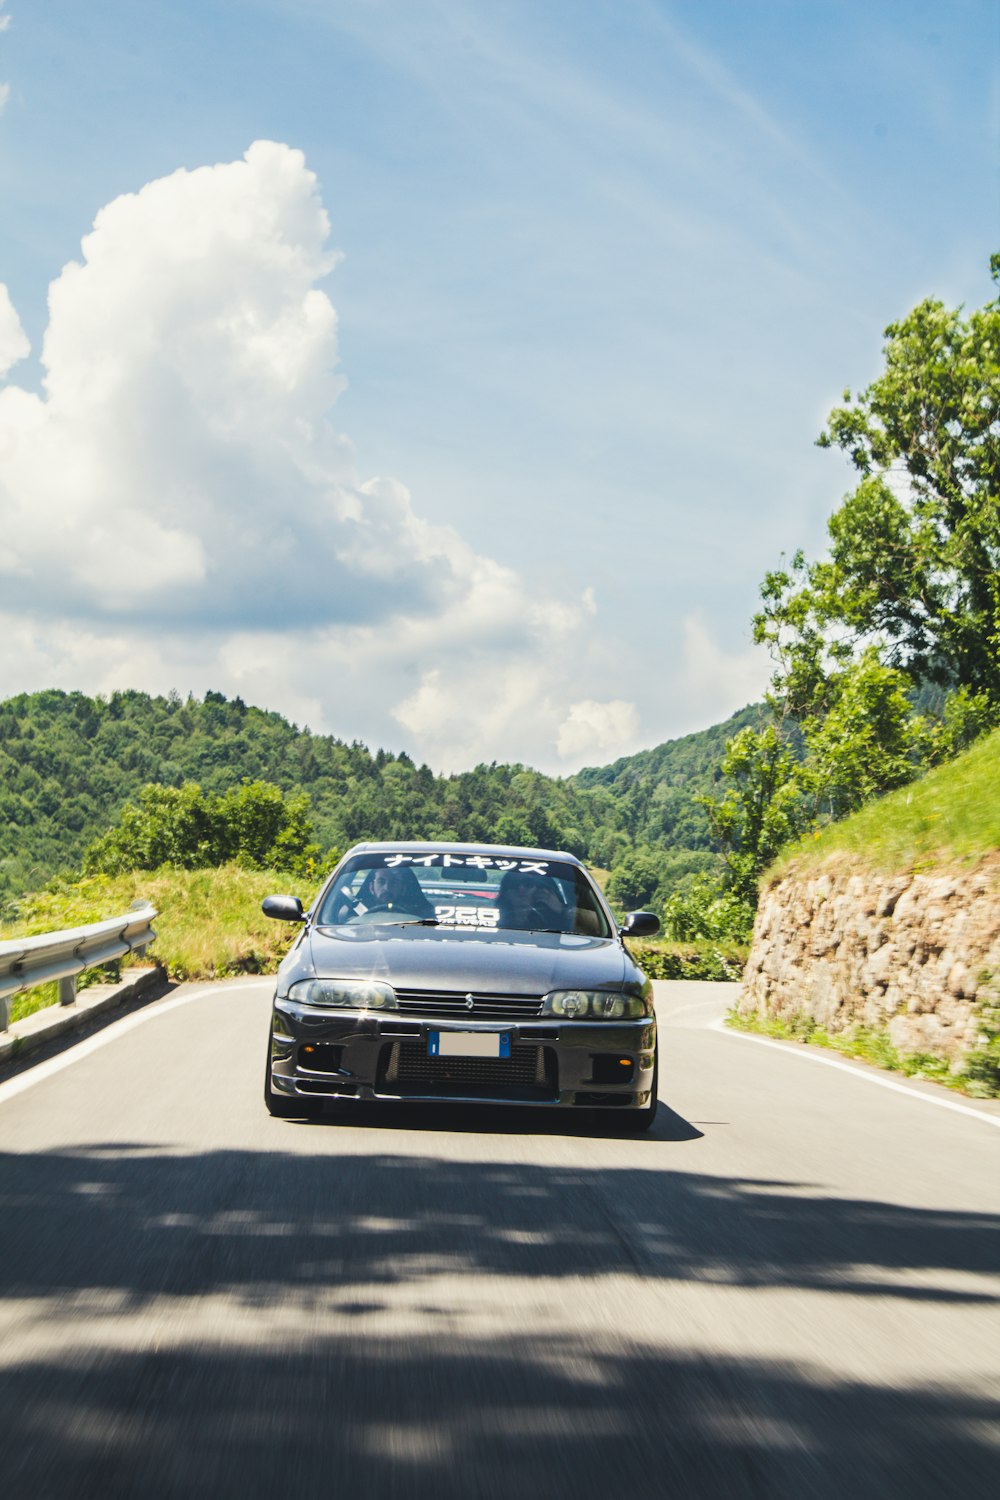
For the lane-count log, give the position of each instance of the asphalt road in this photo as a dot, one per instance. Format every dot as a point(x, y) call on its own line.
point(789, 1289)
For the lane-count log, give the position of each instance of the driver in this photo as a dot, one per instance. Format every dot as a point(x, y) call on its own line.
point(529, 901)
point(392, 890)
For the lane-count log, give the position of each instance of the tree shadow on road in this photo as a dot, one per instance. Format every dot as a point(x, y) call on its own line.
point(333, 1401)
point(142, 1222)
point(449, 1419)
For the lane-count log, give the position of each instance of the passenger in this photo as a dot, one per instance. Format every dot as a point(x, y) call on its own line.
point(527, 901)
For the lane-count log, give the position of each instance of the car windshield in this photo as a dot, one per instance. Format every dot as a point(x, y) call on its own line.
point(487, 892)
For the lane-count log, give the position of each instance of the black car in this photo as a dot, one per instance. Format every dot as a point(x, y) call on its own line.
point(462, 972)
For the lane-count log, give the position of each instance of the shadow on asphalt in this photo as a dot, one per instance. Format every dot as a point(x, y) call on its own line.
point(485, 1119)
point(341, 1405)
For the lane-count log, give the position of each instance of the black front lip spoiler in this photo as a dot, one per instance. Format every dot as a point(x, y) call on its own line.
point(363, 1034)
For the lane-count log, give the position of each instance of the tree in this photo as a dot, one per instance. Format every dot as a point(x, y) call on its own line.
point(634, 879)
point(254, 825)
point(913, 570)
point(761, 809)
point(701, 910)
point(868, 741)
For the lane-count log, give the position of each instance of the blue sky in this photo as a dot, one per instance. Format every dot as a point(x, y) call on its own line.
point(603, 270)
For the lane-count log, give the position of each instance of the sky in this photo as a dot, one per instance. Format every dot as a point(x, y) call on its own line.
point(447, 375)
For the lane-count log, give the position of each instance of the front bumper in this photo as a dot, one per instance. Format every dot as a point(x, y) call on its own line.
point(380, 1055)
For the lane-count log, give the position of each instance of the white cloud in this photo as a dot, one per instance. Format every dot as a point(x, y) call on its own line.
point(4, 87)
point(713, 682)
point(177, 510)
point(14, 343)
point(597, 732)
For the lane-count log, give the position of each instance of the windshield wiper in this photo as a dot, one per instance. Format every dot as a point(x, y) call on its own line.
point(413, 922)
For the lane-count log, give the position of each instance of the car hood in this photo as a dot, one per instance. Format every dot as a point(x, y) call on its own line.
point(423, 958)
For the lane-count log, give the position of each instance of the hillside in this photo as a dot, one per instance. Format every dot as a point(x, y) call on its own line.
point(880, 935)
point(950, 816)
point(655, 790)
point(68, 762)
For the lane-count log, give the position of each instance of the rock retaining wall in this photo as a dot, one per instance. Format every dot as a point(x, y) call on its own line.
point(916, 955)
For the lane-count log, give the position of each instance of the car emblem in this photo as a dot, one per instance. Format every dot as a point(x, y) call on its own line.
point(469, 1002)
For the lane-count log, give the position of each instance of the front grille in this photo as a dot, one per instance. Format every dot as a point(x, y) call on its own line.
point(455, 1003)
point(529, 1073)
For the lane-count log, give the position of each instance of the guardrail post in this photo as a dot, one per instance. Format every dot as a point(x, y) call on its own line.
point(5, 1013)
point(67, 990)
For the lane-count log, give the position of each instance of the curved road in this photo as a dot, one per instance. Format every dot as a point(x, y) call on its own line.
point(789, 1289)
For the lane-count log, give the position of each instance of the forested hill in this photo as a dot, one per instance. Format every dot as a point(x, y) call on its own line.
point(68, 762)
point(655, 790)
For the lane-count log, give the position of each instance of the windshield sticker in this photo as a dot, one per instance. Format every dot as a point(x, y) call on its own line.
point(467, 916)
point(474, 861)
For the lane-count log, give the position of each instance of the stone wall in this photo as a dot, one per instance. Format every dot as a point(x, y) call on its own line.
point(914, 954)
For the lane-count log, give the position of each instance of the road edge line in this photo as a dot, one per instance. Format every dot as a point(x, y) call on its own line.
point(43, 1070)
point(793, 1049)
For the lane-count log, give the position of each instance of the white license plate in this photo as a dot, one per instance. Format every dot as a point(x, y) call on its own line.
point(468, 1044)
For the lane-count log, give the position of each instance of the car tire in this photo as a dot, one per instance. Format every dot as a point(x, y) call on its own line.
point(277, 1105)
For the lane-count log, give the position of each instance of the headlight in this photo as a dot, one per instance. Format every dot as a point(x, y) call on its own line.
point(596, 1005)
point(355, 994)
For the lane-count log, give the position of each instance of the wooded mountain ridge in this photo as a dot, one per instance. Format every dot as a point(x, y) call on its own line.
point(69, 762)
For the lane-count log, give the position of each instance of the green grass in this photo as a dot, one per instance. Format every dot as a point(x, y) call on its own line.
point(951, 816)
point(210, 923)
point(979, 1078)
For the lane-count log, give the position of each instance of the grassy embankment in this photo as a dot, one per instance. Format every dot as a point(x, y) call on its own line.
point(210, 923)
point(948, 820)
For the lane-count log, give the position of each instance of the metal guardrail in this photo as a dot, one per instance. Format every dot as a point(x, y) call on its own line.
point(27, 962)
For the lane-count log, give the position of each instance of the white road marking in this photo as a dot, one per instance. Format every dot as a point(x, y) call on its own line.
point(813, 1055)
point(111, 1033)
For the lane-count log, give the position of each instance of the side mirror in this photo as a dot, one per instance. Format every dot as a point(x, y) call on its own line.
point(283, 908)
point(640, 924)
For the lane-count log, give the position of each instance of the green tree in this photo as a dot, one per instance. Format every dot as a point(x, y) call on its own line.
point(634, 879)
point(913, 569)
point(254, 825)
point(906, 600)
point(760, 810)
point(868, 741)
point(701, 909)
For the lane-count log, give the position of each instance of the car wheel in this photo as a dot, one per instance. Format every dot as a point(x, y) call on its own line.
point(276, 1104)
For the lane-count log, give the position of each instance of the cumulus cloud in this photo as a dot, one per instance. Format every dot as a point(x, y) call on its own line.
point(14, 343)
point(713, 682)
point(178, 499)
point(598, 731)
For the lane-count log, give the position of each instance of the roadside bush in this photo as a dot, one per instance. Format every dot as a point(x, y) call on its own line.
point(699, 909)
point(701, 960)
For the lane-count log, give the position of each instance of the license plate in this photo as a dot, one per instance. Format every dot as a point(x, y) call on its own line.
point(468, 1044)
